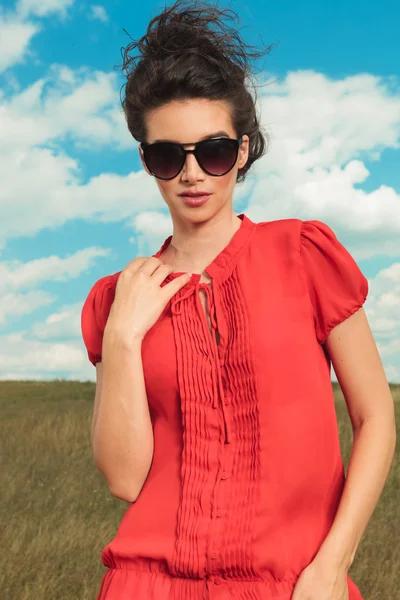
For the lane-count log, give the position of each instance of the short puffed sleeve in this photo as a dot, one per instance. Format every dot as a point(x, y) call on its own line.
point(337, 288)
point(94, 315)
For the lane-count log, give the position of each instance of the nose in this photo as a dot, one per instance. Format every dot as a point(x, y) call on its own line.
point(191, 170)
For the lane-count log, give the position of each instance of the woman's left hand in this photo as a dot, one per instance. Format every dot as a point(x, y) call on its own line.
point(321, 581)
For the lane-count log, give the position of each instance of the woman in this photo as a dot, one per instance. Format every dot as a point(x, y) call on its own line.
point(214, 413)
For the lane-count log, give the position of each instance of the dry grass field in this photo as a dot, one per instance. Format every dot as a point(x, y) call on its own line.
point(57, 512)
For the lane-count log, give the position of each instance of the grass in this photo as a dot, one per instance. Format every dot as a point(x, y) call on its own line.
point(58, 514)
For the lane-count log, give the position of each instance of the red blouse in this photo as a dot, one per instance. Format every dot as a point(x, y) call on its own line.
point(247, 471)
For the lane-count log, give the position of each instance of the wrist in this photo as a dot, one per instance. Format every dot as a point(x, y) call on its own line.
point(336, 557)
point(114, 338)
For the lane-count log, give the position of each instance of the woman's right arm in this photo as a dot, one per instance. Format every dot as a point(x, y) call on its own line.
point(122, 434)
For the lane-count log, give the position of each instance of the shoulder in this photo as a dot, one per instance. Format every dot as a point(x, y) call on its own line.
point(301, 241)
point(99, 299)
point(103, 285)
point(294, 231)
point(281, 232)
point(280, 226)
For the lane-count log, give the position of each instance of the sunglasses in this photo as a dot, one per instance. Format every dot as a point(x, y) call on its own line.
point(215, 156)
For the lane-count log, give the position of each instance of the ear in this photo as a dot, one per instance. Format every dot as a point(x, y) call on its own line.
point(243, 151)
point(143, 162)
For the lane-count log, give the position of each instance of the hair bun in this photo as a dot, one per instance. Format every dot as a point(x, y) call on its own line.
point(179, 31)
point(169, 38)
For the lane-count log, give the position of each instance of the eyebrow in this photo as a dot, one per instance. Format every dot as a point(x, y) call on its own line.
point(206, 137)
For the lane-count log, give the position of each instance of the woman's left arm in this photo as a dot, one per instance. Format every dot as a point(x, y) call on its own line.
point(361, 376)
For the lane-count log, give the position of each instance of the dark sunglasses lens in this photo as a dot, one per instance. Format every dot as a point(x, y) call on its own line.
point(164, 160)
point(217, 157)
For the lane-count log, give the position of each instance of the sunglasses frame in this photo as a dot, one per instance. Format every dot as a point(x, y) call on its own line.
point(145, 145)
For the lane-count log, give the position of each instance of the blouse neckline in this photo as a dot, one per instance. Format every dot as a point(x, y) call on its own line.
point(219, 267)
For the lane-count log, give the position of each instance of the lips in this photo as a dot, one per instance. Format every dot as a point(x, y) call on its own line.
point(195, 200)
point(195, 194)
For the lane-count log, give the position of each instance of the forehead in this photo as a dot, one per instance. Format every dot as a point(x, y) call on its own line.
point(189, 120)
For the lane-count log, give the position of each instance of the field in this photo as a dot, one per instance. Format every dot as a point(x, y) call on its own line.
point(57, 512)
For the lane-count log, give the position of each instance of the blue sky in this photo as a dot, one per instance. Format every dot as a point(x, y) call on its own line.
point(76, 204)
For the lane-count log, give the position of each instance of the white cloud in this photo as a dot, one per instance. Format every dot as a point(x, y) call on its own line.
point(17, 29)
point(321, 132)
point(383, 312)
point(73, 105)
point(18, 296)
point(79, 104)
point(99, 13)
point(58, 324)
point(37, 352)
point(37, 360)
point(385, 304)
point(332, 121)
point(13, 306)
point(17, 276)
point(42, 8)
point(14, 40)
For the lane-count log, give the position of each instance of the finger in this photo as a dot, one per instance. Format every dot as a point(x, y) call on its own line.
point(175, 285)
point(161, 273)
point(135, 263)
point(150, 265)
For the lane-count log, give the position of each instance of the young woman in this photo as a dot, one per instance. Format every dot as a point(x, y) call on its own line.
point(214, 413)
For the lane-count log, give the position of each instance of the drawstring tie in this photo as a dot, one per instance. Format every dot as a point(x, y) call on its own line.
point(176, 310)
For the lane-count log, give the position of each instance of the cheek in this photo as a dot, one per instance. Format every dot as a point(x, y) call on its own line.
point(166, 189)
point(225, 184)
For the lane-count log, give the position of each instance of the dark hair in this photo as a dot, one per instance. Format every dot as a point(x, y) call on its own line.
point(182, 58)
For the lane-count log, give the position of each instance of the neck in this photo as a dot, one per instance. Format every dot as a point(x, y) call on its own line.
point(194, 250)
